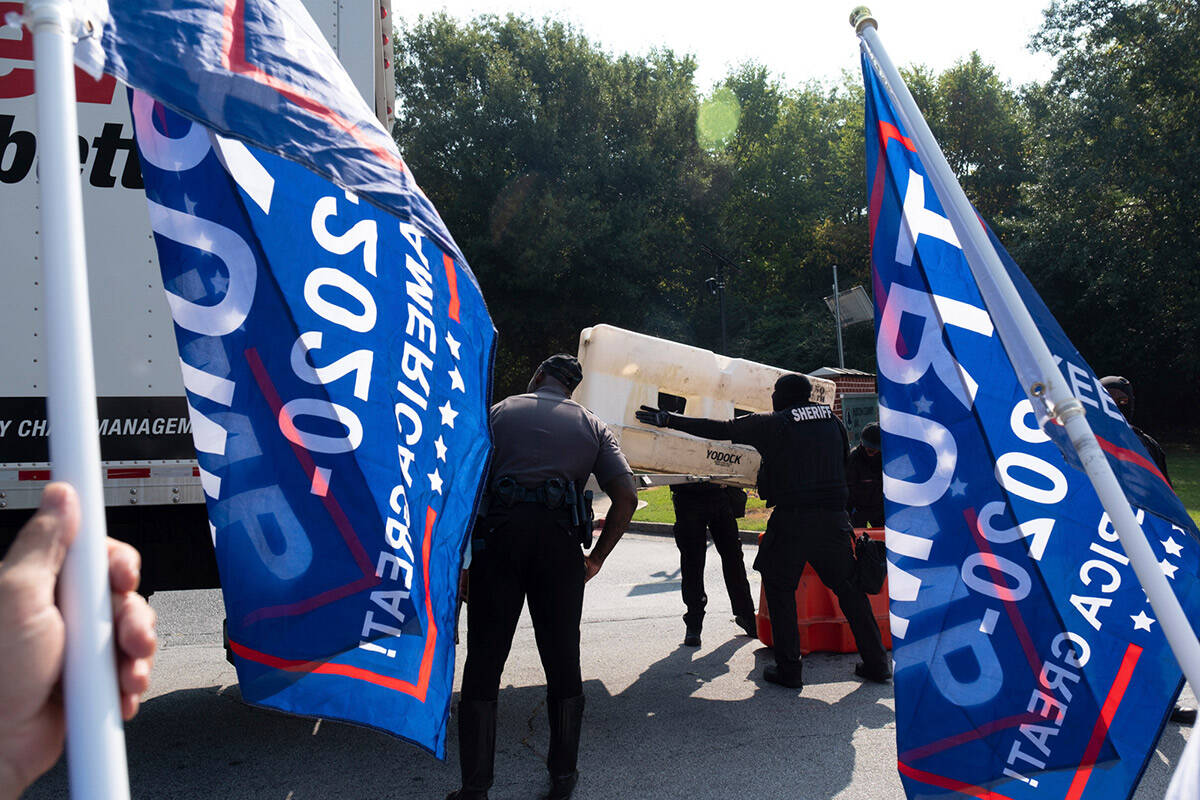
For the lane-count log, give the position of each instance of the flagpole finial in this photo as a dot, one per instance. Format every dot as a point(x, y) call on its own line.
point(861, 17)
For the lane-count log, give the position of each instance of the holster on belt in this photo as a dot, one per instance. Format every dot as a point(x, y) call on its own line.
point(554, 494)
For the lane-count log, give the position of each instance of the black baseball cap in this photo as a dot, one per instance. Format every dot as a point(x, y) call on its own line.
point(871, 436)
point(563, 368)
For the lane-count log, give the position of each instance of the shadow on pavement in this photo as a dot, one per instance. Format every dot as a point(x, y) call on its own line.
point(206, 742)
point(660, 737)
point(682, 744)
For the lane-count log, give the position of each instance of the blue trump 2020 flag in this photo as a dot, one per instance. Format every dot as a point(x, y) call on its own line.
point(336, 353)
point(1028, 663)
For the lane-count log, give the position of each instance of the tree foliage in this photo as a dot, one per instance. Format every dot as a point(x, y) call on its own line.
point(565, 174)
point(588, 187)
point(1112, 236)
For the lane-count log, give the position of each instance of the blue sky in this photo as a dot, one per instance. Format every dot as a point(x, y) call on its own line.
point(798, 40)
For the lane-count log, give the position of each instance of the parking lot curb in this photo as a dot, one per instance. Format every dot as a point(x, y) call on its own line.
point(667, 529)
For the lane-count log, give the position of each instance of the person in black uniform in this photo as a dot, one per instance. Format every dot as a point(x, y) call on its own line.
point(864, 480)
point(703, 508)
point(1121, 391)
point(527, 545)
point(803, 476)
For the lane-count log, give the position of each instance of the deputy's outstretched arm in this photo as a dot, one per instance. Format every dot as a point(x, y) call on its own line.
point(720, 429)
point(624, 502)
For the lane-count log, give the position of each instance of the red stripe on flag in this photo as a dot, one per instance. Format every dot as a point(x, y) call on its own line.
point(452, 280)
point(325, 668)
point(982, 732)
point(1027, 645)
point(949, 783)
point(306, 462)
point(417, 690)
point(888, 131)
point(1131, 457)
point(1010, 606)
point(233, 58)
point(316, 601)
point(876, 197)
point(33, 475)
point(431, 632)
point(341, 522)
point(1107, 712)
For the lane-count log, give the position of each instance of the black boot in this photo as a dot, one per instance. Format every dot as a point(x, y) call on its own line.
point(880, 675)
point(566, 720)
point(476, 748)
point(790, 675)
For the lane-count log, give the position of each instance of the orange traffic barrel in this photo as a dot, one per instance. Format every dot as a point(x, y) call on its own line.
point(823, 626)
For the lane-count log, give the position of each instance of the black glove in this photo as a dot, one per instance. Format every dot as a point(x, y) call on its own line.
point(652, 416)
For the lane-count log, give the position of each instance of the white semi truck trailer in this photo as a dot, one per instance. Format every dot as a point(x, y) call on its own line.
point(151, 479)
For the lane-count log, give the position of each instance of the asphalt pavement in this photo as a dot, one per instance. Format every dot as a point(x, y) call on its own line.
point(662, 720)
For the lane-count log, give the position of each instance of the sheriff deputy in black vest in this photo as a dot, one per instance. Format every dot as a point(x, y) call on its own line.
point(527, 545)
point(804, 448)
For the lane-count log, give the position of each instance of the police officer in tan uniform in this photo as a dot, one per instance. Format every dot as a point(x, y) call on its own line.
point(526, 545)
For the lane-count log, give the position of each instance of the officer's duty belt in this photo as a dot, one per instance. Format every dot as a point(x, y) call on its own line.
point(551, 494)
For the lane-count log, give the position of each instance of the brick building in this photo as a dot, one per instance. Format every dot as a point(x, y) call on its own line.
point(855, 398)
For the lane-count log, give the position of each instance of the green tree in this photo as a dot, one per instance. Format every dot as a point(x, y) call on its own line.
point(585, 187)
point(1112, 237)
point(981, 127)
point(788, 207)
point(566, 174)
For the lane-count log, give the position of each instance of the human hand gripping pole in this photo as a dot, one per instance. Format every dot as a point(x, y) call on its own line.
point(32, 638)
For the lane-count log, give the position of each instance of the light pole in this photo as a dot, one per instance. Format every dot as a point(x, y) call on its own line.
point(716, 285)
point(837, 313)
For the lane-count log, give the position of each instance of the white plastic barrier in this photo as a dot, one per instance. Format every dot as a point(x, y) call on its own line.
point(623, 370)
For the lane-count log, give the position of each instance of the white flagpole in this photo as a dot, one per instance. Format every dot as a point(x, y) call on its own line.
point(1185, 783)
point(1032, 358)
point(95, 734)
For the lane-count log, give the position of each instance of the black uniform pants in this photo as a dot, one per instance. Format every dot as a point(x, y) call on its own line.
point(695, 517)
point(524, 552)
point(796, 537)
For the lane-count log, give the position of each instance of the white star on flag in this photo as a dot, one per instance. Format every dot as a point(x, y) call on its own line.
point(440, 446)
point(448, 414)
point(1168, 568)
point(958, 488)
point(456, 381)
point(435, 481)
point(923, 405)
point(1141, 622)
point(1173, 547)
point(453, 343)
